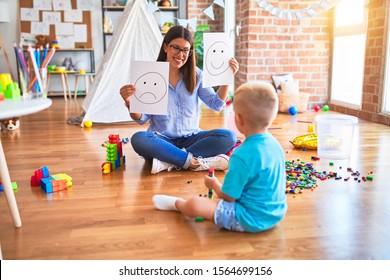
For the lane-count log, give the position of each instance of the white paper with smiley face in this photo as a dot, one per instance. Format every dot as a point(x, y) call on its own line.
point(150, 79)
point(217, 53)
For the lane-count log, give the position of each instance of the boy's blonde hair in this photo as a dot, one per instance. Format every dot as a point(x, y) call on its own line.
point(257, 103)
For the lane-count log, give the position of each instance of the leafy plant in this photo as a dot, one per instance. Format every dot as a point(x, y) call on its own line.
point(198, 43)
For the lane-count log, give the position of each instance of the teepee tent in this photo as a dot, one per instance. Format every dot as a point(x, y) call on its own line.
point(137, 38)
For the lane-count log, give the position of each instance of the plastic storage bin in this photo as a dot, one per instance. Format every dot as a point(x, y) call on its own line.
point(335, 135)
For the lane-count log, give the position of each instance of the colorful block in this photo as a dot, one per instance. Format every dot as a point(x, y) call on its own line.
point(35, 180)
point(14, 186)
point(114, 154)
point(56, 182)
point(12, 91)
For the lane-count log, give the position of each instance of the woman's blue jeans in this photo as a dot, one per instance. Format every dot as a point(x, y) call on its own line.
point(179, 151)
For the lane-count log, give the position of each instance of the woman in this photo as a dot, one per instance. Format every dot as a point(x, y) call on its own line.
point(175, 140)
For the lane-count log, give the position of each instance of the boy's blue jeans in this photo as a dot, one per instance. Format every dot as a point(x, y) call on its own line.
point(179, 151)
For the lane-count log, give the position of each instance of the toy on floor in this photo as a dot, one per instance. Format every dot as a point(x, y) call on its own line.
point(14, 186)
point(293, 110)
point(9, 124)
point(115, 157)
point(39, 174)
point(88, 124)
point(307, 141)
point(301, 175)
point(50, 183)
point(56, 182)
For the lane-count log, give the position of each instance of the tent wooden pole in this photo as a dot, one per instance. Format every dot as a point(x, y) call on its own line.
point(6, 57)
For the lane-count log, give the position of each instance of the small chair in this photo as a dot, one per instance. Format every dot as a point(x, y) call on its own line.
point(64, 81)
point(91, 77)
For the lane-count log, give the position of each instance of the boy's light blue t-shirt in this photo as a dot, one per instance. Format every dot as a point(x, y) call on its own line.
point(257, 181)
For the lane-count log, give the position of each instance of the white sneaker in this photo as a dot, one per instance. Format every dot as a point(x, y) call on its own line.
point(219, 162)
point(158, 166)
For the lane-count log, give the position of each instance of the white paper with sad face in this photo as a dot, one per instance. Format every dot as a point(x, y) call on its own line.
point(151, 79)
point(217, 53)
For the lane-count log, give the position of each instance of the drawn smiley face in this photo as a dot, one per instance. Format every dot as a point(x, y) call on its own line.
point(151, 88)
point(217, 58)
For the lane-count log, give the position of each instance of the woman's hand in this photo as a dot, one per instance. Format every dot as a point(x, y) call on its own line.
point(126, 91)
point(224, 89)
point(234, 65)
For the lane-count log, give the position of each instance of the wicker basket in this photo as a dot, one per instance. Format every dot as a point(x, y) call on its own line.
point(303, 101)
point(286, 100)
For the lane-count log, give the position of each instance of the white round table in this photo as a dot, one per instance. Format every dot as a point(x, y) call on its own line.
point(15, 108)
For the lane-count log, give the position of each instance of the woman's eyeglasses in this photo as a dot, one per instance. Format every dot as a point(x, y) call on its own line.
point(175, 49)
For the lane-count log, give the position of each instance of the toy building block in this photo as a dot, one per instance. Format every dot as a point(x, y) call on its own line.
point(114, 154)
point(211, 192)
point(59, 185)
point(63, 176)
point(12, 91)
point(14, 186)
point(46, 185)
point(1, 87)
point(106, 167)
point(370, 178)
point(5, 79)
point(35, 180)
point(1, 92)
point(210, 195)
point(56, 182)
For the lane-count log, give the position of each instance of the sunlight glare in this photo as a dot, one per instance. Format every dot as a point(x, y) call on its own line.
point(349, 12)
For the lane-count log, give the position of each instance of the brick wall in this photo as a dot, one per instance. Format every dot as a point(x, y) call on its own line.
point(269, 46)
point(375, 67)
point(195, 8)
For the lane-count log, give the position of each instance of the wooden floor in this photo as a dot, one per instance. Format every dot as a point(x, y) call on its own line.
point(112, 216)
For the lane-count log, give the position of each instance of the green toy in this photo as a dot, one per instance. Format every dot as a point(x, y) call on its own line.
point(12, 91)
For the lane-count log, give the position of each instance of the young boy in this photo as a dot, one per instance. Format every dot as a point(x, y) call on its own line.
point(252, 196)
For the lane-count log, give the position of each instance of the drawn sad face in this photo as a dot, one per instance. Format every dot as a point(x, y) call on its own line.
point(217, 58)
point(151, 88)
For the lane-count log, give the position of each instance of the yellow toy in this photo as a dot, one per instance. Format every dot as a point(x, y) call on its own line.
point(88, 124)
point(308, 141)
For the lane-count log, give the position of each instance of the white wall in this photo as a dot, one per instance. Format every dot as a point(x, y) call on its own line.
point(10, 33)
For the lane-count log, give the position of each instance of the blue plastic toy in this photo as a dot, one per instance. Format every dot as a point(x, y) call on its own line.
point(293, 110)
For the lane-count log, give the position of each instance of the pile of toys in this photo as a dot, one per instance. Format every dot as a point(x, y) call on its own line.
point(8, 88)
point(301, 175)
point(50, 183)
point(114, 155)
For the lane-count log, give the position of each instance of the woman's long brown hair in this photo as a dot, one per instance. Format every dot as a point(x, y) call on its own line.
point(188, 70)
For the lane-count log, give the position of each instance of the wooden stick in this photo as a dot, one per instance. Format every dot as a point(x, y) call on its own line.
point(6, 57)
